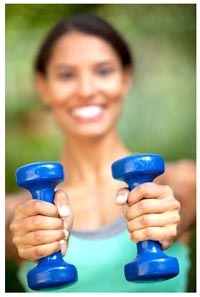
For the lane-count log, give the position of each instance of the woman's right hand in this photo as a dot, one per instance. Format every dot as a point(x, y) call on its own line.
point(41, 228)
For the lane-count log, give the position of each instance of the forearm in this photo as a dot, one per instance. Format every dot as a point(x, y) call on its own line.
point(181, 177)
point(186, 195)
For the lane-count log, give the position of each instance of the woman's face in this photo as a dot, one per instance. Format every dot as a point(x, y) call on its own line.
point(84, 85)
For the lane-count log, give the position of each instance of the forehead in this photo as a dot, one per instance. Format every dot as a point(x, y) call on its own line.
point(77, 47)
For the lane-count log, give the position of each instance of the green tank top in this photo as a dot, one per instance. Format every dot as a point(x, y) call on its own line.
point(100, 263)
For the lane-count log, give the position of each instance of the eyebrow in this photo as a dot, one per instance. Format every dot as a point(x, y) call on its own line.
point(61, 66)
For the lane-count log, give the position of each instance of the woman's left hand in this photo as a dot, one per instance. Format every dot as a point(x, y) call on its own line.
point(152, 213)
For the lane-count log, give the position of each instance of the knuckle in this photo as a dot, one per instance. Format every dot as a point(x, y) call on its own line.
point(12, 226)
point(38, 236)
point(15, 240)
point(174, 231)
point(177, 218)
point(21, 253)
point(134, 236)
point(143, 205)
point(18, 208)
point(148, 233)
point(129, 227)
point(145, 220)
point(36, 221)
point(39, 252)
point(171, 232)
point(166, 243)
point(128, 215)
point(144, 188)
point(178, 205)
point(36, 205)
point(138, 235)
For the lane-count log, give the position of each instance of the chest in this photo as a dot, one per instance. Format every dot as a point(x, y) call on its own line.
point(93, 206)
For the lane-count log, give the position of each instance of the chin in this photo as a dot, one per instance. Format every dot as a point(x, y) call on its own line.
point(93, 131)
point(90, 133)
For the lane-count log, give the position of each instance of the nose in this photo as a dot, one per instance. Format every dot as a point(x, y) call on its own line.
point(86, 86)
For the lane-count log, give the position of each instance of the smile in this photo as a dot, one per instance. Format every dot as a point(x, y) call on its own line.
point(88, 113)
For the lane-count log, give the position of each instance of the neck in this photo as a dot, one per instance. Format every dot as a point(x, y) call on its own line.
point(89, 160)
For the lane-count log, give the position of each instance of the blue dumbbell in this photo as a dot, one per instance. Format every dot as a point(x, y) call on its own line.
point(40, 179)
point(151, 264)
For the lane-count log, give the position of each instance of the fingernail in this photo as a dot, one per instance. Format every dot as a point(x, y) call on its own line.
point(64, 210)
point(121, 198)
point(62, 241)
point(66, 234)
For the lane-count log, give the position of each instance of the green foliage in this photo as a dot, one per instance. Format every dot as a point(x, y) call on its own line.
point(160, 110)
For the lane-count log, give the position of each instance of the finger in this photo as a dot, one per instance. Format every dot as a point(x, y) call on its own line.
point(36, 222)
point(154, 233)
point(64, 248)
point(148, 190)
point(122, 196)
point(153, 220)
point(165, 244)
point(40, 237)
point(33, 207)
point(147, 206)
point(33, 253)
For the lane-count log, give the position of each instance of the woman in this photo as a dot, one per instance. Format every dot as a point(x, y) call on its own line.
point(83, 73)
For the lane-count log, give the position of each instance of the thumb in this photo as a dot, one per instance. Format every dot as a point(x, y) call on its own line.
point(122, 196)
point(61, 200)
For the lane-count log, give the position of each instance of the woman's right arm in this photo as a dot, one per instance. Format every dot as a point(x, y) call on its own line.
point(37, 228)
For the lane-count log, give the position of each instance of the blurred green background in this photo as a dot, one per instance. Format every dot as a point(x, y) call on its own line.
point(160, 110)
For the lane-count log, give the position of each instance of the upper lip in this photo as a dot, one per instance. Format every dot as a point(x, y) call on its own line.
point(87, 105)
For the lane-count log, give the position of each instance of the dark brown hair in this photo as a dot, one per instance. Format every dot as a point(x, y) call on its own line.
point(88, 24)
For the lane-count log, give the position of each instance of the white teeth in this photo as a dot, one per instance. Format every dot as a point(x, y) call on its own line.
point(87, 111)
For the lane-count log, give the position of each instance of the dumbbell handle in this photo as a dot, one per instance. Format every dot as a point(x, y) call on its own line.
point(45, 192)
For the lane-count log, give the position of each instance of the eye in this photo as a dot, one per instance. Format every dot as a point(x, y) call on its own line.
point(66, 75)
point(105, 71)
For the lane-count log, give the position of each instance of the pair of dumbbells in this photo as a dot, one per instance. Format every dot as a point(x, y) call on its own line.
point(151, 264)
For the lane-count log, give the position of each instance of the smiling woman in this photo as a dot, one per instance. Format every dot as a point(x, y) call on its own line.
point(83, 73)
point(84, 91)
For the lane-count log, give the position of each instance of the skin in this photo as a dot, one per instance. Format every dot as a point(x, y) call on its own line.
point(90, 145)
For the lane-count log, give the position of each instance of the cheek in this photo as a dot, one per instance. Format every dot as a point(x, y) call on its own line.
point(114, 89)
point(59, 93)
